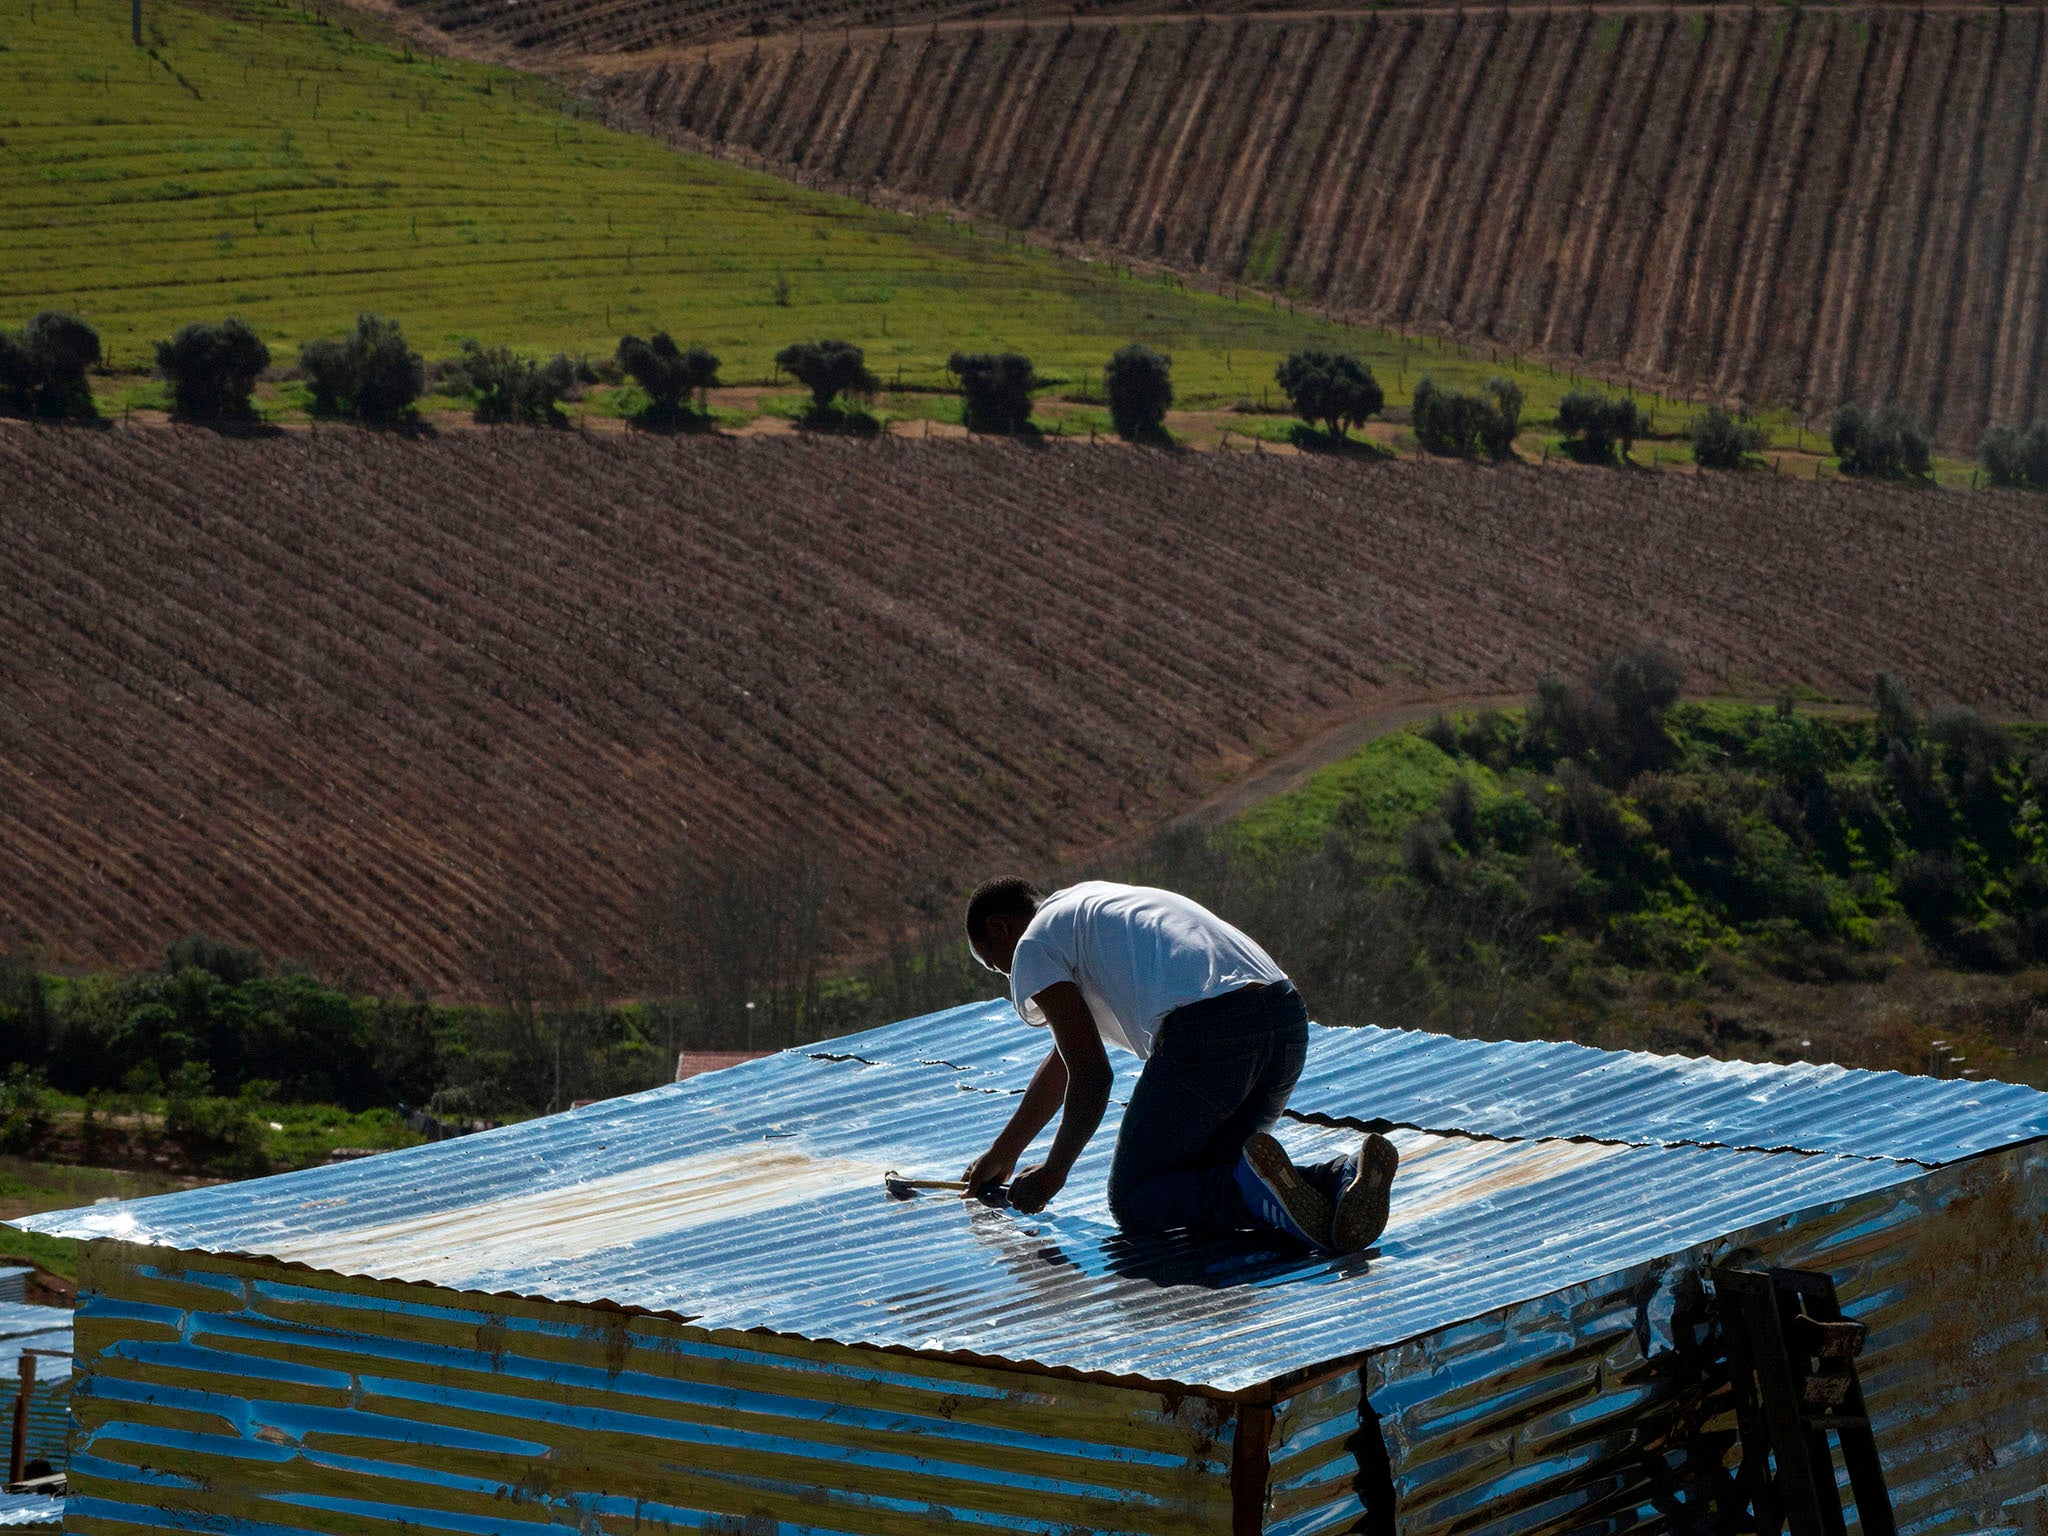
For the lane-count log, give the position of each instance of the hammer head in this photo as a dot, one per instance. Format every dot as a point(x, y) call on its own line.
point(898, 1187)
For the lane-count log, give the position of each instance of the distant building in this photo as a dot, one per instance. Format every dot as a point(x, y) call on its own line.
point(35, 1374)
point(694, 1309)
point(691, 1064)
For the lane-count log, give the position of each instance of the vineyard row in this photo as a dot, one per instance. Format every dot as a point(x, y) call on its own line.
point(1769, 207)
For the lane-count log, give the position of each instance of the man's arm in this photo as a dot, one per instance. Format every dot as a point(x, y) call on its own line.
point(1041, 1102)
point(1088, 1079)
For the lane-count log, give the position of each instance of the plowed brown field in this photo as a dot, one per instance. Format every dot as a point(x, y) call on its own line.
point(348, 696)
point(1774, 207)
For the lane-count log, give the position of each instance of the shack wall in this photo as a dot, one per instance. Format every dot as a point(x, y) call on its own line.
point(1599, 1407)
point(243, 1397)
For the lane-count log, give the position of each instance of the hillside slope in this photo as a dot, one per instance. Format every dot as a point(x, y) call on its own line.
point(256, 159)
point(359, 699)
point(1770, 206)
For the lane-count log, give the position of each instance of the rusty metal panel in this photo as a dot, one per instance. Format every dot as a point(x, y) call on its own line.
point(1554, 1088)
point(238, 1396)
point(1604, 1406)
point(762, 1209)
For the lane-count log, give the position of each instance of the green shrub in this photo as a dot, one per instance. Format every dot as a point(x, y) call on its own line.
point(1719, 441)
point(1139, 383)
point(509, 388)
point(221, 1133)
point(1596, 426)
point(43, 366)
point(828, 369)
point(997, 388)
point(212, 366)
point(24, 1112)
point(1331, 388)
point(370, 374)
point(229, 964)
point(2016, 458)
point(670, 375)
point(1885, 443)
point(1462, 426)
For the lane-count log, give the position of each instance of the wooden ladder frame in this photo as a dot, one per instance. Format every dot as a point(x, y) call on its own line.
point(1793, 1357)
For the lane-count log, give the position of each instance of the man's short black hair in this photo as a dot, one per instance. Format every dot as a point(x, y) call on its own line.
point(1005, 896)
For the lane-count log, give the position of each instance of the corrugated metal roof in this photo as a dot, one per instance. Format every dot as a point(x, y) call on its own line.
point(1522, 1089)
point(750, 1199)
point(24, 1327)
point(19, 1317)
point(1555, 1088)
point(28, 1510)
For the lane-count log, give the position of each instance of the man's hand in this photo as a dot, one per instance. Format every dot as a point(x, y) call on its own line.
point(988, 1170)
point(1032, 1189)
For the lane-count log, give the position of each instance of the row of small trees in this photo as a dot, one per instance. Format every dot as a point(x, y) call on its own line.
point(1339, 393)
point(371, 374)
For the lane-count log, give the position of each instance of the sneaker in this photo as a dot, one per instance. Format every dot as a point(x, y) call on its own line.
point(1279, 1197)
point(1362, 1202)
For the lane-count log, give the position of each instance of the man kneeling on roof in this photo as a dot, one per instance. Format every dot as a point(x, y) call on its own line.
point(1223, 1036)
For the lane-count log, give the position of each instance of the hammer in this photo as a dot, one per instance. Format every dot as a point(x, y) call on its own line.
point(900, 1188)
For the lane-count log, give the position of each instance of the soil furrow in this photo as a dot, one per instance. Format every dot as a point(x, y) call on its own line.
point(1648, 195)
point(1424, 222)
point(1688, 255)
point(1745, 317)
point(1960, 414)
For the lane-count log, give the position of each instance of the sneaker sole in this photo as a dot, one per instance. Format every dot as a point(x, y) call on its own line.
point(1362, 1211)
point(1304, 1202)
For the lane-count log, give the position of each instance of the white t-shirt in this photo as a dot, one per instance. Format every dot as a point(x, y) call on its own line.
point(1136, 953)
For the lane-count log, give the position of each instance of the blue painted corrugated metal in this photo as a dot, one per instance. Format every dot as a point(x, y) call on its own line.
point(13, 1284)
point(231, 1396)
point(720, 1202)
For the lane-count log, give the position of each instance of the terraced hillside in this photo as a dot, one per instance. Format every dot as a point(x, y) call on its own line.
point(359, 699)
point(1784, 206)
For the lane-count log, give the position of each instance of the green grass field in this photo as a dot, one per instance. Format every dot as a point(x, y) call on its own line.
point(295, 168)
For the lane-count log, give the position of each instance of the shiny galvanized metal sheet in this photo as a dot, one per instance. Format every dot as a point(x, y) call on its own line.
point(1555, 1088)
point(755, 1203)
point(1605, 1406)
point(231, 1395)
point(30, 1511)
point(1525, 1089)
point(21, 1322)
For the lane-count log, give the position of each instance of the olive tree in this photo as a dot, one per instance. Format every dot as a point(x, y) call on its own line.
point(997, 387)
point(828, 369)
point(212, 366)
point(1330, 388)
point(1139, 383)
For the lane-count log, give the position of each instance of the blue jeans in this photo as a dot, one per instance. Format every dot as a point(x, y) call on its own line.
point(1220, 1070)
